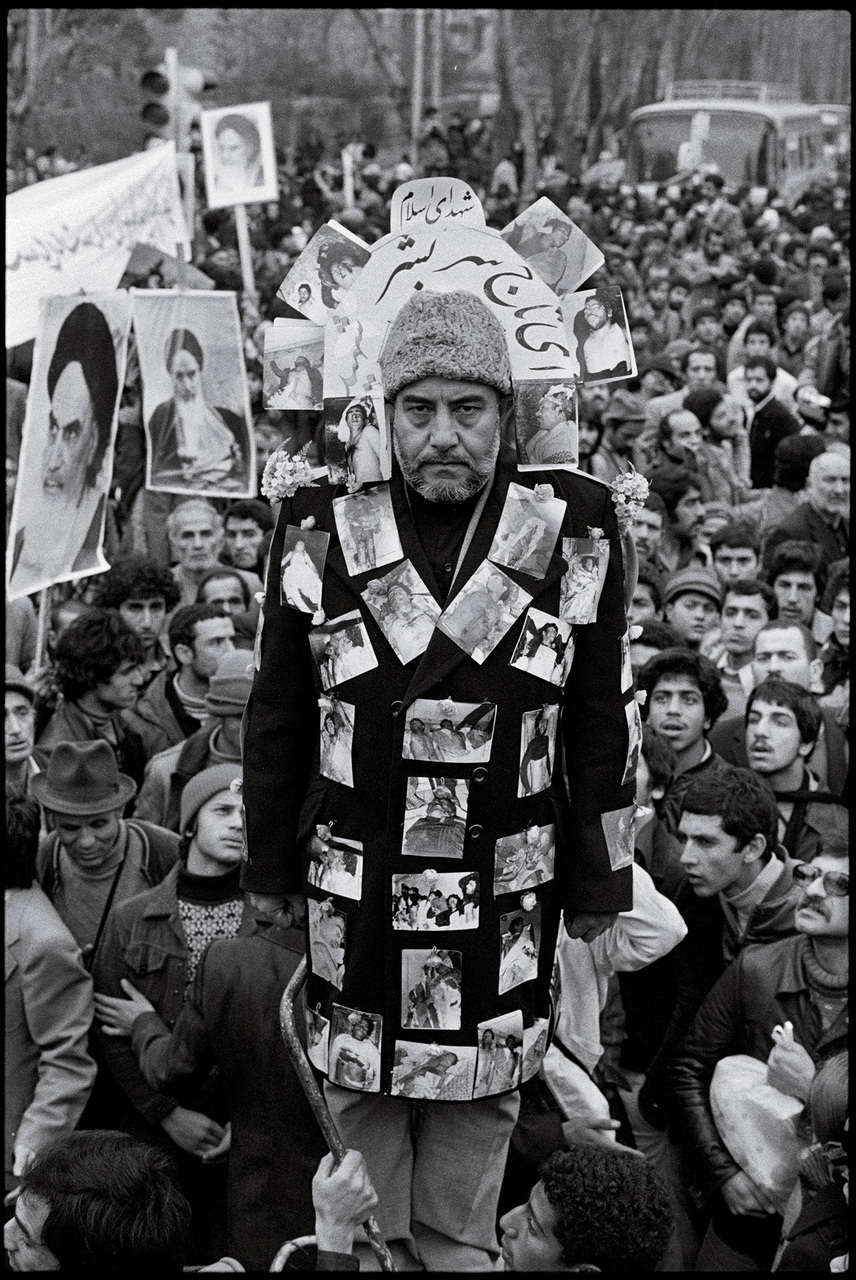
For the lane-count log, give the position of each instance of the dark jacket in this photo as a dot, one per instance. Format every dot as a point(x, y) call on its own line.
point(144, 942)
point(282, 776)
point(672, 802)
point(728, 739)
point(819, 1233)
point(808, 525)
point(69, 724)
point(230, 1021)
point(816, 816)
point(154, 718)
point(763, 988)
point(770, 424)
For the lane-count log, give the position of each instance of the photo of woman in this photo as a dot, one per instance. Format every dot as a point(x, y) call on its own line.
point(545, 648)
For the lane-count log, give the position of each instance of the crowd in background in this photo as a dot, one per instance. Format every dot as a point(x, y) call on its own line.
point(127, 738)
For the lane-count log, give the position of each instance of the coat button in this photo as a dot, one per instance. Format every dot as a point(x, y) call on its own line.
point(475, 831)
point(480, 775)
point(395, 707)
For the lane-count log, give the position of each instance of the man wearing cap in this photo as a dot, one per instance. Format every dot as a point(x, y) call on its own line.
point(155, 942)
point(624, 419)
point(446, 377)
point(216, 741)
point(692, 602)
point(20, 728)
point(92, 857)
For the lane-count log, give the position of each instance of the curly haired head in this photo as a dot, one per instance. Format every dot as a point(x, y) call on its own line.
point(92, 649)
point(136, 578)
point(685, 662)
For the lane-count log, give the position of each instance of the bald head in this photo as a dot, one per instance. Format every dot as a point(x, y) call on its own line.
point(828, 485)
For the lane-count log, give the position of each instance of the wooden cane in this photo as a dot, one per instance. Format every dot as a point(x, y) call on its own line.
point(316, 1101)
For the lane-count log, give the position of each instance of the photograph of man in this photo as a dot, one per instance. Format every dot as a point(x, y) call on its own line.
point(237, 145)
point(354, 1053)
point(57, 527)
point(598, 320)
point(293, 364)
point(439, 830)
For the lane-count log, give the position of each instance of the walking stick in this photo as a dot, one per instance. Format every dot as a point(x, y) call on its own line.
point(317, 1103)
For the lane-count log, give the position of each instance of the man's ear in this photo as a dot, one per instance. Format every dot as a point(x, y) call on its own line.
point(805, 748)
point(815, 668)
point(183, 654)
point(752, 851)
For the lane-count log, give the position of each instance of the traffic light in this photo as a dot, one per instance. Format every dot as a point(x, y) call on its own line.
point(172, 104)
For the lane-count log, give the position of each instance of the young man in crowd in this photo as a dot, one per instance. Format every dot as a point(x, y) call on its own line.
point(681, 542)
point(245, 539)
point(144, 593)
point(624, 419)
point(692, 601)
point(698, 367)
point(771, 419)
point(99, 670)
point(782, 724)
point(654, 636)
point(648, 524)
point(823, 517)
point(795, 579)
point(736, 551)
point(195, 530)
point(216, 741)
point(746, 607)
point(226, 588)
point(835, 654)
point(20, 732)
point(795, 335)
point(759, 341)
point(647, 602)
point(798, 981)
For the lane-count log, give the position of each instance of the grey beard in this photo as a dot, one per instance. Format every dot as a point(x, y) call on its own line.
point(450, 490)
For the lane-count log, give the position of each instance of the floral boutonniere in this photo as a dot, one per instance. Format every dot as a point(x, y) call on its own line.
point(285, 473)
point(629, 491)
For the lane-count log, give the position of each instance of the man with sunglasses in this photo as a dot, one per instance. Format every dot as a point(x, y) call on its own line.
point(801, 980)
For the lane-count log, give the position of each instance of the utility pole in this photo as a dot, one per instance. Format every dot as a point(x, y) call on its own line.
point(418, 76)
point(437, 59)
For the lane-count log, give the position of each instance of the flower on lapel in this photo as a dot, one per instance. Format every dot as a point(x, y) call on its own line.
point(594, 533)
point(629, 491)
point(308, 523)
point(528, 901)
point(285, 473)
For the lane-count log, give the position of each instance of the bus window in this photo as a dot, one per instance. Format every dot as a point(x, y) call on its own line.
point(736, 143)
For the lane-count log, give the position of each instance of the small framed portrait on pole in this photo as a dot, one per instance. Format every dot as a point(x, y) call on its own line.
point(238, 151)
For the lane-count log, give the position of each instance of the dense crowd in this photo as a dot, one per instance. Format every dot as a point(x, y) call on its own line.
point(123, 774)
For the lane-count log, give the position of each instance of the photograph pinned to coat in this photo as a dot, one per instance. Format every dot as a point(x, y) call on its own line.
point(327, 930)
point(293, 365)
point(337, 740)
point(337, 867)
point(528, 529)
point(301, 575)
point(367, 530)
point(431, 900)
point(431, 990)
point(534, 1047)
point(56, 531)
point(435, 812)
point(196, 406)
point(626, 664)
point(324, 272)
point(618, 830)
point(525, 859)
point(436, 1072)
point(500, 1054)
point(545, 648)
point(519, 947)
point(342, 649)
point(553, 246)
point(633, 717)
point(537, 749)
point(404, 609)
point(357, 440)
point(597, 327)
point(483, 611)
point(355, 1038)
point(317, 1038)
point(238, 155)
point(582, 582)
point(546, 425)
point(449, 732)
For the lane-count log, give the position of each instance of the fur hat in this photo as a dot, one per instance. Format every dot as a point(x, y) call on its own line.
point(445, 335)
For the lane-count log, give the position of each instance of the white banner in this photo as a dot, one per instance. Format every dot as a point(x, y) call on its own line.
point(75, 233)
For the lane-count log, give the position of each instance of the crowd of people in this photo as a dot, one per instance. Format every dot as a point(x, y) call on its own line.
point(143, 1045)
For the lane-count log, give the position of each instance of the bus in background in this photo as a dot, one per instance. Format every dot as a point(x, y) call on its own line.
point(835, 118)
point(750, 132)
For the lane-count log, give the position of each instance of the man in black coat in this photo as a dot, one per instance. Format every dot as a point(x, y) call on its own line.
point(823, 518)
point(446, 374)
point(771, 420)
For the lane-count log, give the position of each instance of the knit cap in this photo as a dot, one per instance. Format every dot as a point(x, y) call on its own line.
point(205, 785)
point(694, 578)
point(445, 335)
point(229, 687)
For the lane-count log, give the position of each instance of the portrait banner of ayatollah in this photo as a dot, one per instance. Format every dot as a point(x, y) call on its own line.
point(239, 156)
point(56, 532)
point(196, 406)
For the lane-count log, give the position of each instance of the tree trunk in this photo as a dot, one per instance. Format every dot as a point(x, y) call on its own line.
point(517, 78)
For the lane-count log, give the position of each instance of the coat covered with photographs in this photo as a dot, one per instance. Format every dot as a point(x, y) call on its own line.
point(439, 769)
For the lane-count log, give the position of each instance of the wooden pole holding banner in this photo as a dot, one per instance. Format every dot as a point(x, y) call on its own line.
point(181, 270)
point(42, 625)
point(348, 178)
point(418, 74)
point(245, 251)
point(437, 58)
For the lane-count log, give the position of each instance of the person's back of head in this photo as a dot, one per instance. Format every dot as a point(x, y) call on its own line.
point(22, 840)
point(792, 459)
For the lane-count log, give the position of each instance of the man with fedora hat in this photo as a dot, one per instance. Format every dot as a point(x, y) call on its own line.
point(624, 419)
point(216, 741)
point(20, 730)
point(91, 857)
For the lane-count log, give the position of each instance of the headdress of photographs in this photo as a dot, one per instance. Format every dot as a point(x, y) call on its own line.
point(527, 531)
point(317, 1038)
point(554, 246)
point(618, 831)
point(324, 272)
point(354, 1058)
point(483, 611)
point(435, 814)
point(404, 609)
point(304, 552)
point(524, 860)
point(293, 365)
point(582, 582)
point(537, 749)
point(500, 1054)
point(337, 866)
point(449, 732)
point(439, 1073)
point(432, 901)
point(596, 323)
point(368, 534)
point(337, 740)
point(431, 990)
point(519, 946)
point(534, 1047)
point(633, 716)
point(546, 424)
point(238, 153)
point(196, 407)
point(327, 930)
point(56, 533)
point(545, 648)
point(357, 440)
point(342, 649)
